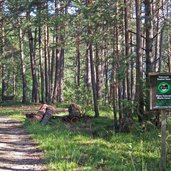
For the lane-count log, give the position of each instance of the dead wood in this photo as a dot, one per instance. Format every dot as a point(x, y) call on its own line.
point(37, 117)
point(75, 110)
point(47, 116)
point(45, 113)
point(42, 109)
point(30, 114)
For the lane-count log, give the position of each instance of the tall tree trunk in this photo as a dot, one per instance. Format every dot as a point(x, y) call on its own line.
point(52, 73)
point(99, 73)
point(40, 52)
point(4, 84)
point(106, 70)
point(61, 77)
point(78, 68)
point(14, 76)
point(139, 72)
point(58, 94)
point(63, 10)
point(168, 42)
point(23, 68)
point(87, 70)
point(149, 43)
point(114, 85)
point(92, 66)
point(49, 69)
point(32, 47)
point(41, 66)
point(47, 95)
point(168, 52)
point(160, 50)
point(56, 82)
point(56, 78)
point(96, 108)
point(127, 49)
point(157, 33)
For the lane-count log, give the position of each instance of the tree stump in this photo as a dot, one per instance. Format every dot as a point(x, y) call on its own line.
point(75, 110)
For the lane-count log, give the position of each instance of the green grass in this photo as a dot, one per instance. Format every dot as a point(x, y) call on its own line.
point(91, 145)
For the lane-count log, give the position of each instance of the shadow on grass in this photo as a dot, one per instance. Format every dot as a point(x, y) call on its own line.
point(92, 145)
point(101, 127)
point(12, 103)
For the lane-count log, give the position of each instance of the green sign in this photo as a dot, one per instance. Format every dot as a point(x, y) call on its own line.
point(163, 91)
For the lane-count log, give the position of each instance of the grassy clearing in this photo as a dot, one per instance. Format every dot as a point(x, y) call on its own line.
point(91, 145)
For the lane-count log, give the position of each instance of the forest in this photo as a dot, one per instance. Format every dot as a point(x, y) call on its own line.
point(95, 53)
point(98, 54)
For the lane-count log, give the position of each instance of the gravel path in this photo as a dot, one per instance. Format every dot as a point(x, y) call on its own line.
point(17, 150)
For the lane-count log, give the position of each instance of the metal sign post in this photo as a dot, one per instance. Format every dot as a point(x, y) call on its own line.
point(160, 98)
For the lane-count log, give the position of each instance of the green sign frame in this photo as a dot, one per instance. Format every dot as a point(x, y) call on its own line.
point(160, 90)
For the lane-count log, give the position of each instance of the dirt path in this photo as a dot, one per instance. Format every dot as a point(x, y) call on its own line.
point(17, 151)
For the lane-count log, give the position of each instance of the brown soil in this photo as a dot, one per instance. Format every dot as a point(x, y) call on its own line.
point(18, 152)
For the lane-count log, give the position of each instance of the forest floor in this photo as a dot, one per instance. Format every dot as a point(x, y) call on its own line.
point(17, 150)
point(89, 144)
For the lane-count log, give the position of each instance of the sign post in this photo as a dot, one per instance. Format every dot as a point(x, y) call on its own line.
point(160, 98)
point(163, 141)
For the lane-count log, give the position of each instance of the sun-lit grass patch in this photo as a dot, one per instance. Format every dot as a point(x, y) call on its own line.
point(92, 145)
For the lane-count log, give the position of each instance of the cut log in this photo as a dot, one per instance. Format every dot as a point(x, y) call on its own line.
point(43, 115)
point(42, 109)
point(34, 117)
point(30, 114)
point(47, 116)
point(45, 112)
point(37, 117)
point(40, 114)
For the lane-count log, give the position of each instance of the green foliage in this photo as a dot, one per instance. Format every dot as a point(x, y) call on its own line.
point(69, 146)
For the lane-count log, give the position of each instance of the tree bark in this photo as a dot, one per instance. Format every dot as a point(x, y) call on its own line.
point(32, 47)
point(56, 81)
point(58, 94)
point(61, 77)
point(47, 95)
point(23, 68)
point(96, 108)
point(139, 72)
point(149, 43)
point(63, 10)
point(127, 50)
point(78, 68)
point(87, 70)
point(99, 73)
point(41, 67)
point(4, 84)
